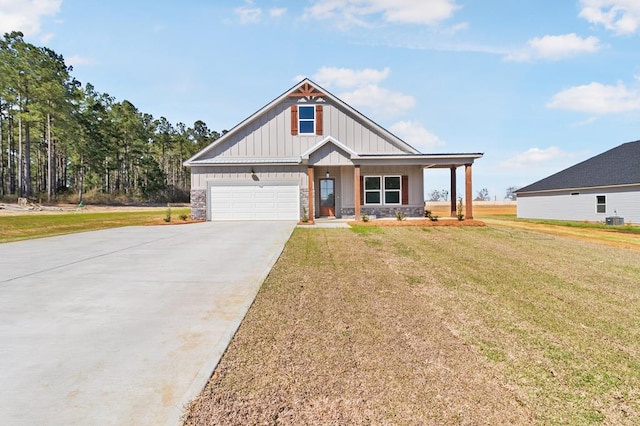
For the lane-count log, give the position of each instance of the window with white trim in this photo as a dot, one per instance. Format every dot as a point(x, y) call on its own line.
point(601, 204)
point(383, 190)
point(373, 190)
point(392, 187)
point(306, 119)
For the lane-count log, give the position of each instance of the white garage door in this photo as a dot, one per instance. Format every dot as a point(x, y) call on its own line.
point(255, 202)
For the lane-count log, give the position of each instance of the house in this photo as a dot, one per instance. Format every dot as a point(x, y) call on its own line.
point(307, 154)
point(607, 185)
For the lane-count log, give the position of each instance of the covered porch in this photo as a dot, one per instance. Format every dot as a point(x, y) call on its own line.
point(339, 190)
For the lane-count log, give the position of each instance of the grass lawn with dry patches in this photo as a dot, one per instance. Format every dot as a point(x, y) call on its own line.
point(442, 325)
point(33, 225)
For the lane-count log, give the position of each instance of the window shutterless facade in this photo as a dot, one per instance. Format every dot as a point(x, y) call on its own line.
point(385, 190)
point(601, 204)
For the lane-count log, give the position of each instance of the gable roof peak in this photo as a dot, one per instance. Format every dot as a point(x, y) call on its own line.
point(306, 89)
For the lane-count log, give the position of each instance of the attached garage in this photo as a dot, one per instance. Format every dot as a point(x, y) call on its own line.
point(255, 202)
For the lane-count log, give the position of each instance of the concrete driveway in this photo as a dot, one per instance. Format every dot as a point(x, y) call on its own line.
point(124, 326)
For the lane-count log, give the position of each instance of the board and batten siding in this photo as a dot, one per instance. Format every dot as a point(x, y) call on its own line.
point(330, 155)
point(622, 202)
point(201, 176)
point(415, 174)
point(269, 135)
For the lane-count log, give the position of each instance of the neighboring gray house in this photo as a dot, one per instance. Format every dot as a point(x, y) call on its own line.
point(603, 186)
point(307, 141)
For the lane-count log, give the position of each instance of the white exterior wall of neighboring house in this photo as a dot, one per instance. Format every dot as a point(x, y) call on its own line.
point(582, 206)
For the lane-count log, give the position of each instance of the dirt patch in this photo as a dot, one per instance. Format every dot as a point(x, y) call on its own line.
point(34, 209)
point(605, 237)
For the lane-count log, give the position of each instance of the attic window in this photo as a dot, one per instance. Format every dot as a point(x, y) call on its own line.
point(307, 119)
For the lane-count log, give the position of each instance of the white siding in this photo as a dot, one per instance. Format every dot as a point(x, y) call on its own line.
point(582, 206)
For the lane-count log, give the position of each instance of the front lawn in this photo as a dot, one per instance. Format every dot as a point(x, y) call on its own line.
point(33, 225)
point(435, 326)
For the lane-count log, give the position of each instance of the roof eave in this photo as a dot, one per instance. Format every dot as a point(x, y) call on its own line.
point(577, 188)
point(425, 160)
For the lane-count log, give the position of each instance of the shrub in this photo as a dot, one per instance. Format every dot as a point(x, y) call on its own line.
point(459, 212)
point(399, 215)
point(364, 217)
point(431, 216)
point(183, 216)
point(167, 216)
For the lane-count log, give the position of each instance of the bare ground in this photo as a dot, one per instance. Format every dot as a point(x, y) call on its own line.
point(36, 209)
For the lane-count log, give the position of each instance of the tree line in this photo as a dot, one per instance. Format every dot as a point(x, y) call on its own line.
point(481, 195)
point(60, 140)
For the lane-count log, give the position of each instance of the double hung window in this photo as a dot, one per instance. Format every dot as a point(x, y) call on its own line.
point(392, 189)
point(372, 190)
point(382, 190)
point(307, 119)
point(601, 204)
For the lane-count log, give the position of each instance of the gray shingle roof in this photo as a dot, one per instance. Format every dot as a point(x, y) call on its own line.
point(618, 166)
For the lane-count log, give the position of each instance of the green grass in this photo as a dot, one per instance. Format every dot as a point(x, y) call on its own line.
point(21, 227)
point(629, 229)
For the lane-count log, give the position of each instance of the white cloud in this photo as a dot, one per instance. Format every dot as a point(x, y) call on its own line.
point(416, 135)
point(276, 12)
point(454, 29)
point(25, 15)
point(597, 98)
point(381, 101)
point(554, 48)
point(535, 156)
point(76, 60)
point(355, 12)
point(620, 16)
point(346, 77)
point(363, 89)
point(586, 122)
point(249, 15)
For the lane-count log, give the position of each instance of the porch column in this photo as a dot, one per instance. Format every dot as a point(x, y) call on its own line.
point(356, 192)
point(311, 195)
point(468, 191)
point(454, 196)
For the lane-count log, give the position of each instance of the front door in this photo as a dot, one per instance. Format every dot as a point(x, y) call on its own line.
point(327, 197)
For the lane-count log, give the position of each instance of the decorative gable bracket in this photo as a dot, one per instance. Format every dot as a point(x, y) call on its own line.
point(307, 91)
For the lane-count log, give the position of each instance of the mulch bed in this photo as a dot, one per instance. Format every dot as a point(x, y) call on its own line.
point(176, 222)
point(418, 222)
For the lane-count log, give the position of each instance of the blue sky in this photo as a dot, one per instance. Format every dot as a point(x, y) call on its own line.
point(535, 85)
